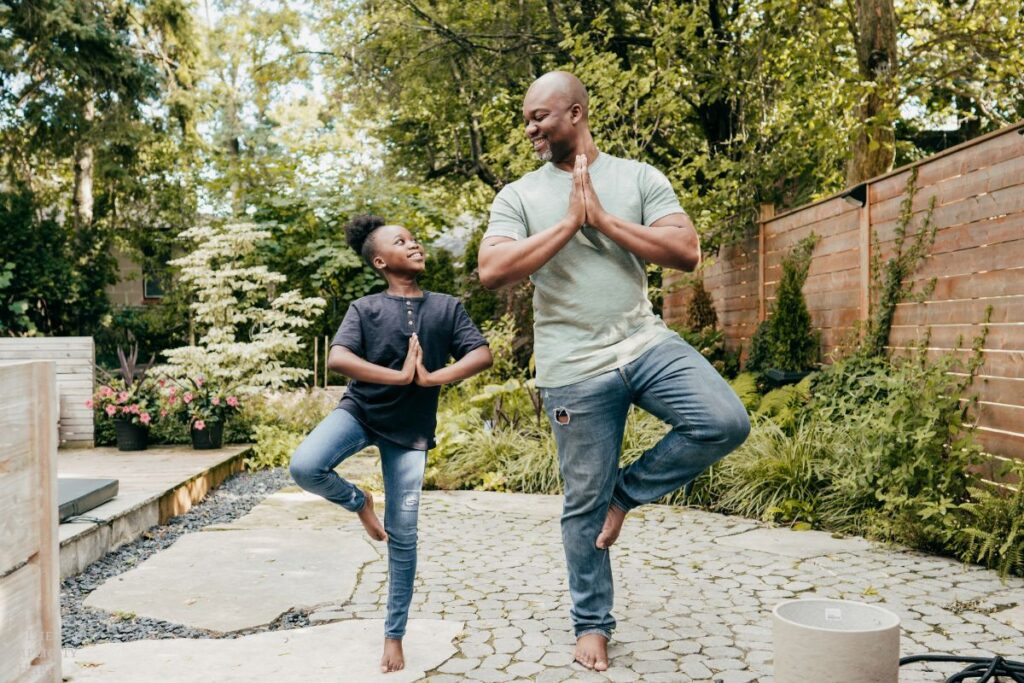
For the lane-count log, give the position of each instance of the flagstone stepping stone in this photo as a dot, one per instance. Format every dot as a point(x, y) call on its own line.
point(342, 651)
point(293, 507)
point(231, 580)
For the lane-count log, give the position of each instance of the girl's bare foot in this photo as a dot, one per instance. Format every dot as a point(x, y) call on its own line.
point(592, 651)
point(612, 526)
point(371, 522)
point(394, 658)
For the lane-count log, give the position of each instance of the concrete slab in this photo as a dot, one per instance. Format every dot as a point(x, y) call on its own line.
point(231, 580)
point(343, 651)
point(291, 507)
point(529, 504)
point(798, 544)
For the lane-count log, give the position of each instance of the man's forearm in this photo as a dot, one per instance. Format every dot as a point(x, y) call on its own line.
point(507, 262)
point(673, 245)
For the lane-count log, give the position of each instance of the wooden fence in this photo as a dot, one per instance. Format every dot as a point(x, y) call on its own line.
point(29, 564)
point(977, 261)
point(75, 358)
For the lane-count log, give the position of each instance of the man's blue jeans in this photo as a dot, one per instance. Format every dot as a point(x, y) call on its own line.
point(673, 382)
point(312, 467)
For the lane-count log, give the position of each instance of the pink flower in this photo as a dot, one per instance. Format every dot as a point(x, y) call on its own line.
point(172, 399)
point(173, 390)
point(161, 382)
point(199, 381)
point(144, 418)
point(88, 403)
point(215, 400)
point(126, 410)
point(187, 397)
point(111, 410)
point(163, 412)
point(135, 409)
point(107, 391)
point(232, 401)
point(122, 397)
point(199, 424)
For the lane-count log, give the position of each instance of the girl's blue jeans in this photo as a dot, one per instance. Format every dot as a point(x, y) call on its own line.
point(671, 381)
point(312, 467)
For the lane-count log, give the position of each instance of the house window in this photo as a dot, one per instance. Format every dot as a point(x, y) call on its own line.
point(152, 288)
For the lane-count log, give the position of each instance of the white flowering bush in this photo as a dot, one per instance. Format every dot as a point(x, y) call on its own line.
point(243, 331)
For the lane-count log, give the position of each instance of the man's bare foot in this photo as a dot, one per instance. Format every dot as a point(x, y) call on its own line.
point(612, 526)
point(592, 651)
point(371, 522)
point(394, 658)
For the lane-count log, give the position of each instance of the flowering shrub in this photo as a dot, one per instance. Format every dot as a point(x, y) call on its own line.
point(137, 403)
point(197, 402)
point(246, 336)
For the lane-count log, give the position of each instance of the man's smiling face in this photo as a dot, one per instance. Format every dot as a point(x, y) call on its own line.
point(549, 117)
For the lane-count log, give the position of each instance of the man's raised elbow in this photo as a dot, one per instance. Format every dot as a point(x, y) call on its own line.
point(488, 278)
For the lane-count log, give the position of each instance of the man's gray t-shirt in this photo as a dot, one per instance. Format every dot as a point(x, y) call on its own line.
point(591, 311)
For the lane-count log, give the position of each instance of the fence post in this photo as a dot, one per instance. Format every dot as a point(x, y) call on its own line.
point(767, 211)
point(865, 255)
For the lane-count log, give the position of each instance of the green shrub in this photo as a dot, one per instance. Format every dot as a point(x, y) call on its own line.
point(786, 340)
point(775, 476)
point(916, 448)
point(273, 447)
point(701, 313)
point(783, 405)
point(992, 532)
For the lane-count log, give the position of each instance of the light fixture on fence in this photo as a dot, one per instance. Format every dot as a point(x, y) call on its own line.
point(856, 195)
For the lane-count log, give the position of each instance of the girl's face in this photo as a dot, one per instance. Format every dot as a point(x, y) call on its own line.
point(397, 251)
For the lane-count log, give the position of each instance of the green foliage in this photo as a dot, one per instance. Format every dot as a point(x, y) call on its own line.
point(914, 444)
point(55, 283)
point(890, 279)
point(775, 475)
point(701, 312)
point(992, 533)
point(786, 340)
point(745, 386)
point(273, 447)
point(783, 405)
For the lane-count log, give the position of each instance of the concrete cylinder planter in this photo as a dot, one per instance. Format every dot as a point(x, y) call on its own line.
point(835, 641)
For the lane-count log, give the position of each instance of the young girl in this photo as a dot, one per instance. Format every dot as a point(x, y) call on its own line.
point(394, 346)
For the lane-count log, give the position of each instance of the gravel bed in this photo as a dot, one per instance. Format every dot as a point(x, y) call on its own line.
point(84, 625)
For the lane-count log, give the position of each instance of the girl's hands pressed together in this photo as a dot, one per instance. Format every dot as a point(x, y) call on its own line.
point(413, 358)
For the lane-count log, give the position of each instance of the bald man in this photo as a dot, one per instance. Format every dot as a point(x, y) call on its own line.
point(582, 227)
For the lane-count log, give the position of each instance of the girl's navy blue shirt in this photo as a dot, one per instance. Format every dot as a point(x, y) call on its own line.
point(377, 328)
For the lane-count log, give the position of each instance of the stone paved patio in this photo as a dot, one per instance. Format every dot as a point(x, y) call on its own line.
point(694, 595)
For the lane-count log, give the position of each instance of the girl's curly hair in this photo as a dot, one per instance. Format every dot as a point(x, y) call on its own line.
point(358, 232)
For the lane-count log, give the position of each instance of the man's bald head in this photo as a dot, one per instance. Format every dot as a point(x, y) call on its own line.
point(563, 84)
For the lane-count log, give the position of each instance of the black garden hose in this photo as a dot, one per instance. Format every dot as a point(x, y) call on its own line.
point(979, 669)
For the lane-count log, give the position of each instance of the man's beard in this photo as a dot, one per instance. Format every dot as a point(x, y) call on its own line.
point(544, 155)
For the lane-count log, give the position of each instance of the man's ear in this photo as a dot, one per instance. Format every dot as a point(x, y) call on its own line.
point(576, 113)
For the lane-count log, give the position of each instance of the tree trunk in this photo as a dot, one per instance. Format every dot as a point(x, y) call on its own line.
point(84, 153)
point(874, 145)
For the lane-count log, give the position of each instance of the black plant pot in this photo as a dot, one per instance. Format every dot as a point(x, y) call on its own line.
point(131, 437)
point(208, 438)
point(780, 378)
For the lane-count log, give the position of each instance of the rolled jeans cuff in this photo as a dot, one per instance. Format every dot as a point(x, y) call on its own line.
point(623, 502)
point(600, 631)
